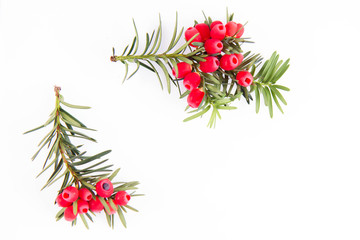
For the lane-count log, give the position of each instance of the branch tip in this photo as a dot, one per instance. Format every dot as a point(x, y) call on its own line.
point(57, 89)
point(113, 58)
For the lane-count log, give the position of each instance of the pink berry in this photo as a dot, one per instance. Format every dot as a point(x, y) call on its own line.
point(218, 32)
point(122, 198)
point(240, 28)
point(244, 78)
point(240, 57)
point(70, 194)
point(190, 32)
point(85, 194)
point(83, 206)
point(195, 97)
point(229, 62)
point(215, 23)
point(231, 28)
point(104, 188)
point(61, 202)
point(112, 211)
point(192, 80)
point(213, 46)
point(204, 31)
point(95, 205)
point(210, 65)
point(183, 69)
point(69, 214)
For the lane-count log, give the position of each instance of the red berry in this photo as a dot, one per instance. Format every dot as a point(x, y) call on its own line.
point(195, 97)
point(213, 46)
point(69, 214)
point(215, 23)
point(112, 211)
point(192, 80)
point(204, 31)
point(244, 78)
point(210, 65)
point(229, 62)
point(190, 32)
point(183, 69)
point(122, 198)
point(231, 28)
point(104, 188)
point(240, 28)
point(95, 205)
point(218, 32)
point(83, 206)
point(240, 57)
point(61, 202)
point(70, 194)
point(85, 194)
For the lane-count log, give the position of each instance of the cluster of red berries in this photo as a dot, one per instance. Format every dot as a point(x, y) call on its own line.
point(212, 37)
point(191, 82)
point(87, 200)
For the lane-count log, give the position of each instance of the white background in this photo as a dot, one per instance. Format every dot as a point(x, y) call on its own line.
point(295, 176)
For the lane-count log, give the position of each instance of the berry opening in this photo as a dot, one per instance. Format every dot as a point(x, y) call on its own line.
point(219, 45)
point(85, 210)
point(235, 60)
point(221, 27)
point(88, 197)
point(128, 197)
point(217, 62)
point(66, 195)
point(106, 186)
point(187, 86)
point(248, 80)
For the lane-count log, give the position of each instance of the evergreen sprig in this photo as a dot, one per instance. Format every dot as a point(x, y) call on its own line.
point(220, 87)
point(69, 163)
point(150, 54)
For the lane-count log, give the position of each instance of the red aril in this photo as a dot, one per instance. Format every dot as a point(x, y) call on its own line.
point(70, 194)
point(122, 198)
point(195, 97)
point(104, 188)
point(218, 32)
point(240, 57)
point(95, 205)
point(213, 46)
point(239, 30)
point(69, 214)
point(231, 28)
point(215, 23)
point(192, 80)
point(210, 65)
point(62, 202)
point(244, 78)
point(85, 194)
point(229, 62)
point(83, 206)
point(183, 69)
point(204, 31)
point(112, 210)
point(190, 32)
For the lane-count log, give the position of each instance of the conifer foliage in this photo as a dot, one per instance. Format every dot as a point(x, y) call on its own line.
point(88, 185)
point(214, 51)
